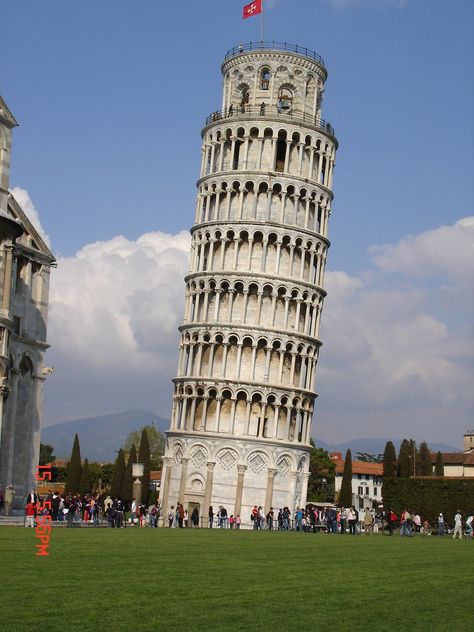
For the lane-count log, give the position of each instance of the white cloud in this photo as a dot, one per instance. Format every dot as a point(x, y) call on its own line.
point(444, 252)
point(394, 358)
point(24, 200)
point(114, 312)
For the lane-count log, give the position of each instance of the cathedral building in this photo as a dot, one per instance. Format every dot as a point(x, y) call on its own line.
point(25, 263)
point(245, 386)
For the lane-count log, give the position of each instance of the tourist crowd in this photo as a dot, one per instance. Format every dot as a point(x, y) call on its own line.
point(97, 510)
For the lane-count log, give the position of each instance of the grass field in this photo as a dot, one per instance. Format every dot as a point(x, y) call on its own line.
point(170, 579)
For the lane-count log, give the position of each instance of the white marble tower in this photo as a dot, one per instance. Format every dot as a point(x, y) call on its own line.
point(244, 391)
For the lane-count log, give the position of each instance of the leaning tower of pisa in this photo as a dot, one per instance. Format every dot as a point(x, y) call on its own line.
point(245, 386)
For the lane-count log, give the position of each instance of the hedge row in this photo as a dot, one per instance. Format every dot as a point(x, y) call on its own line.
point(430, 496)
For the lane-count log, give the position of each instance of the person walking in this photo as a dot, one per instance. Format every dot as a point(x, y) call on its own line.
point(458, 525)
point(405, 524)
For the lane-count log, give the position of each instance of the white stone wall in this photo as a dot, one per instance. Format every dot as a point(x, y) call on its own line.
point(245, 385)
point(25, 263)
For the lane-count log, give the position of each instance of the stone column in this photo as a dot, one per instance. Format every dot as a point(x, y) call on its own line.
point(7, 287)
point(165, 487)
point(292, 492)
point(304, 488)
point(287, 156)
point(311, 161)
point(182, 482)
point(221, 154)
point(213, 153)
point(190, 423)
point(241, 469)
point(208, 492)
point(239, 359)
point(269, 492)
point(278, 255)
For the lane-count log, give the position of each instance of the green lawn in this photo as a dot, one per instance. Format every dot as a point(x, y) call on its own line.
point(176, 580)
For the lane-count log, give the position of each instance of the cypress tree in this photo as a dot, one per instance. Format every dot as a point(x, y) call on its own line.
point(389, 461)
point(74, 469)
point(345, 495)
point(144, 457)
point(85, 484)
point(119, 473)
point(425, 468)
point(439, 467)
point(404, 460)
point(127, 483)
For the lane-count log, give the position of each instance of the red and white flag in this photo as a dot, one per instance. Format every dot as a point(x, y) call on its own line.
point(254, 8)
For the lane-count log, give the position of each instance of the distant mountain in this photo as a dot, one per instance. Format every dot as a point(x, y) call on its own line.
point(100, 437)
point(376, 446)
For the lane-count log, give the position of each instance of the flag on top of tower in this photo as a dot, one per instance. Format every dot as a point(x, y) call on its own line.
point(254, 8)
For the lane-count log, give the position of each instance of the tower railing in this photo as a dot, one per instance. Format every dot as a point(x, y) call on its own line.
point(280, 46)
point(254, 111)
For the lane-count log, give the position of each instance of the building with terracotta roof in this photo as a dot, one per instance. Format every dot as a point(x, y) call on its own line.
point(459, 464)
point(366, 481)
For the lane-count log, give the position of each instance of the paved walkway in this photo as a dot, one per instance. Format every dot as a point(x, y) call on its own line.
point(17, 521)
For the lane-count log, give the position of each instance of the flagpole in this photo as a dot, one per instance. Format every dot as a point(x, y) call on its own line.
point(261, 25)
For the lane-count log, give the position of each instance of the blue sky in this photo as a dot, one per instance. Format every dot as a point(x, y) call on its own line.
point(111, 98)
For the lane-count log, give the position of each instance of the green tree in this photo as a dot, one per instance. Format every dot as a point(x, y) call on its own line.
point(345, 495)
point(403, 469)
point(322, 469)
point(424, 467)
point(85, 484)
point(127, 483)
point(414, 458)
point(119, 473)
point(144, 457)
point(46, 454)
point(389, 461)
point(156, 441)
point(74, 469)
point(439, 467)
point(367, 457)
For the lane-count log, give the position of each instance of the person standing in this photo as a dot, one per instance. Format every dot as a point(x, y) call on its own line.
point(180, 514)
point(9, 493)
point(469, 526)
point(352, 520)
point(30, 513)
point(269, 519)
point(368, 522)
point(391, 521)
point(195, 517)
point(441, 525)
point(458, 525)
point(32, 497)
point(343, 520)
point(211, 517)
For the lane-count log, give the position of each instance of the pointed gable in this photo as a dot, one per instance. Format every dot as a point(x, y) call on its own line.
point(6, 116)
point(31, 237)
